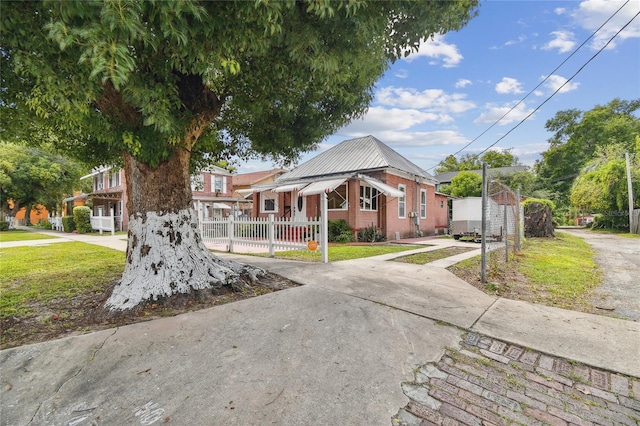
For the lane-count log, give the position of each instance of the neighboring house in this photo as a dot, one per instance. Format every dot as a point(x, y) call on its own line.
point(446, 177)
point(212, 194)
point(367, 183)
point(242, 184)
point(109, 195)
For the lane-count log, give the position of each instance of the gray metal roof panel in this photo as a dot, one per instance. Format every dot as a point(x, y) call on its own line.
point(354, 155)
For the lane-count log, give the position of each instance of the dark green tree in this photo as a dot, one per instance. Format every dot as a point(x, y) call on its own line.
point(156, 84)
point(31, 176)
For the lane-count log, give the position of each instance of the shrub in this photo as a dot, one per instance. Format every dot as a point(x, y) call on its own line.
point(68, 224)
point(82, 217)
point(45, 224)
point(4, 226)
point(339, 231)
point(370, 234)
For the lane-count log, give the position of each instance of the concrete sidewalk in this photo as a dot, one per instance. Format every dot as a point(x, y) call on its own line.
point(333, 351)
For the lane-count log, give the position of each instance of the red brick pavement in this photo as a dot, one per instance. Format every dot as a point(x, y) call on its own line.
point(489, 382)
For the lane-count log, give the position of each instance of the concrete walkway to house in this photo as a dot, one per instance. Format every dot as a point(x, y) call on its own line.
point(333, 351)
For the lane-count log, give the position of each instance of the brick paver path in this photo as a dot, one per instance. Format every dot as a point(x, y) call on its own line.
point(489, 382)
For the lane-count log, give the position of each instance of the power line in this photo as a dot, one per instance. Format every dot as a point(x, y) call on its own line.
point(539, 84)
point(563, 84)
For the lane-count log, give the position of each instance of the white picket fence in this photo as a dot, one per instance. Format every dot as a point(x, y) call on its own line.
point(266, 232)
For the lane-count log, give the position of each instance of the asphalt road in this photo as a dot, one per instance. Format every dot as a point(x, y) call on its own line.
point(619, 260)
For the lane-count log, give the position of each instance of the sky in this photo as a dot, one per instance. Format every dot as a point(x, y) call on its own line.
point(457, 85)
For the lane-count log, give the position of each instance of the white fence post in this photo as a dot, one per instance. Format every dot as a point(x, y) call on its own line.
point(271, 235)
point(230, 231)
point(324, 227)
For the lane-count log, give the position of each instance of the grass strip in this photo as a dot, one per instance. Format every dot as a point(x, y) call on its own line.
point(432, 256)
point(21, 235)
point(342, 252)
point(41, 274)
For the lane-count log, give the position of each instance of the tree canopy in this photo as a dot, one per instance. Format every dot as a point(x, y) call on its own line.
point(466, 184)
point(577, 135)
point(494, 159)
point(30, 176)
point(216, 78)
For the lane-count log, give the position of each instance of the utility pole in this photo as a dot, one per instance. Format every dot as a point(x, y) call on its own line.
point(483, 227)
point(630, 188)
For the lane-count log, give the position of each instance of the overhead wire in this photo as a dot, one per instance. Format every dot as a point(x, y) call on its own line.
point(561, 86)
point(540, 84)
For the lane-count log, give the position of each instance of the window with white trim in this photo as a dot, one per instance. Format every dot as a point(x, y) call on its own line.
point(423, 204)
point(402, 202)
point(218, 184)
point(337, 199)
point(268, 202)
point(368, 198)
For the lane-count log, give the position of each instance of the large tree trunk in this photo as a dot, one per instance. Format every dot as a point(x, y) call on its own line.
point(165, 253)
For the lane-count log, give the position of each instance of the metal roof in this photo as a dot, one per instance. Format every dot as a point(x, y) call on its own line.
point(354, 155)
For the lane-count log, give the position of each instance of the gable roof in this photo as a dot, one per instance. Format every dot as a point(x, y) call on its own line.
point(354, 155)
point(445, 178)
point(255, 177)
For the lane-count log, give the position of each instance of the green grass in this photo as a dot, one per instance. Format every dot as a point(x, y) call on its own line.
point(343, 252)
point(20, 235)
point(432, 256)
point(62, 271)
point(562, 267)
point(618, 233)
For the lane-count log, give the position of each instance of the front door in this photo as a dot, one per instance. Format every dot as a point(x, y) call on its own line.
point(299, 207)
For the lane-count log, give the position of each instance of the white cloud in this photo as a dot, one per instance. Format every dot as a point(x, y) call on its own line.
point(379, 119)
point(439, 50)
point(434, 100)
point(562, 40)
point(519, 40)
point(495, 112)
point(509, 85)
point(397, 139)
point(592, 13)
point(554, 82)
point(560, 10)
point(402, 73)
point(461, 83)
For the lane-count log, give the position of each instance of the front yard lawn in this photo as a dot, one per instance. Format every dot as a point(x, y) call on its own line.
point(342, 252)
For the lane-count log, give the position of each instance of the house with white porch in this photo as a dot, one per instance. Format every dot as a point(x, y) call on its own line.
point(366, 183)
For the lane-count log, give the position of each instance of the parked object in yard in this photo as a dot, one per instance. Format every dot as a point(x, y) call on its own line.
point(466, 219)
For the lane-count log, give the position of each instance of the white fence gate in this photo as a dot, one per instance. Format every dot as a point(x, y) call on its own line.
point(268, 232)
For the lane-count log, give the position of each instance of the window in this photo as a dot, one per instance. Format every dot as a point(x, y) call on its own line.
point(337, 199)
point(197, 183)
point(98, 182)
point(114, 179)
point(441, 204)
point(423, 204)
point(269, 202)
point(368, 198)
point(402, 202)
point(219, 184)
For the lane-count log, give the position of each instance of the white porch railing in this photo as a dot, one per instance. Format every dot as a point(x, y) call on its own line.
point(103, 223)
point(56, 223)
point(268, 232)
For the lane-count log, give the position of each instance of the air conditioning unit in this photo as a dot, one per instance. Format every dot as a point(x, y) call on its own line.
point(412, 214)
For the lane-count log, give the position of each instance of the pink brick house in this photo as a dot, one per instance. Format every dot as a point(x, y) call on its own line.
point(367, 183)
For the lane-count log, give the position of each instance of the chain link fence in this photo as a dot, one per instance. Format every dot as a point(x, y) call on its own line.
point(503, 224)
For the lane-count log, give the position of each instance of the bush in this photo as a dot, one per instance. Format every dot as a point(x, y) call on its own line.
point(68, 224)
point(610, 221)
point(82, 218)
point(4, 226)
point(370, 234)
point(45, 224)
point(339, 231)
